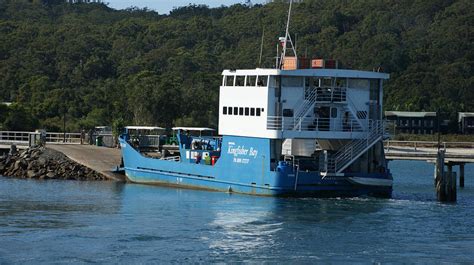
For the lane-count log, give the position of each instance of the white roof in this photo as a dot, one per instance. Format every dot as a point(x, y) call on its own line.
point(325, 72)
point(410, 114)
point(143, 128)
point(465, 115)
point(200, 129)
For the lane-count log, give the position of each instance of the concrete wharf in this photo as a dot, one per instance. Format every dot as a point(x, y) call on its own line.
point(101, 159)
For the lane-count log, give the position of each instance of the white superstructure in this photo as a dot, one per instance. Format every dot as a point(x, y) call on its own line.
point(301, 110)
point(303, 103)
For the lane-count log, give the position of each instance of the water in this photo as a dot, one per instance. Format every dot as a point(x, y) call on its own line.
point(101, 222)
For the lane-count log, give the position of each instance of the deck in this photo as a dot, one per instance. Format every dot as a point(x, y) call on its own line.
point(456, 153)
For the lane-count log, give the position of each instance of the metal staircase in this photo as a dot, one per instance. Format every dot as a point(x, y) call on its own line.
point(355, 121)
point(339, 161)
point(308, 104)
point(361, 117)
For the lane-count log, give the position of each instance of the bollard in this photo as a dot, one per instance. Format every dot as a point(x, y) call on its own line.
point(13, 150)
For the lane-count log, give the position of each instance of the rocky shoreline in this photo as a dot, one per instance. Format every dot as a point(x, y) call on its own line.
point(44, 163)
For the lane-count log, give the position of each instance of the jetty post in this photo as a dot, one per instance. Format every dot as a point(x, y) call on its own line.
point(461, 175)
point(451, 184)
point(445, 180)
point(440, 177)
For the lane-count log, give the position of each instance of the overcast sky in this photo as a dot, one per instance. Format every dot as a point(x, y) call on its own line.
point(165, 6)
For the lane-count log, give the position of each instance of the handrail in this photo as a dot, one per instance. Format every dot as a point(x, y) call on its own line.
point(336, 94)
point(307, 103)
point(172, 158)
point(350, 152)
point(313, 124)
point(427, 144)
point(51, 137)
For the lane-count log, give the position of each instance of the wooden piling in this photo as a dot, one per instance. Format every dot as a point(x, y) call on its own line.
point(445, 181)
point(454, 192)
point(461, 175)
point(440, 177)
point(450, 184)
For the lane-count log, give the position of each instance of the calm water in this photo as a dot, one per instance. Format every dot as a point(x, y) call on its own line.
point(66, 221)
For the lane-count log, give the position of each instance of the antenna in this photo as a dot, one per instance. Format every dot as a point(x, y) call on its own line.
point(261, 49)
point(287, 38)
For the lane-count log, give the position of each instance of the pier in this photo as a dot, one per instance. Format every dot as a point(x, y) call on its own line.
point(101, 159)
point(449, 154)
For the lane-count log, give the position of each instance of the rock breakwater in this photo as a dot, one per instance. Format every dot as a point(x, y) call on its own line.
point(44, 163)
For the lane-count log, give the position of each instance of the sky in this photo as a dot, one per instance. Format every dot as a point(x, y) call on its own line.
point(165, 6)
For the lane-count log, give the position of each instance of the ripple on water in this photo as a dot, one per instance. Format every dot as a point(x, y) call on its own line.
point(43, 222)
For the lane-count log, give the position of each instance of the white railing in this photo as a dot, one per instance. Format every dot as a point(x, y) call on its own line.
point(350, 152)
point(63, 138)
point(21, 137)
point(14, 136)
point(320, 94)
point(172, 158)
point(331, 94)
point(149, 140)
point(313, 124)
point(414, 145)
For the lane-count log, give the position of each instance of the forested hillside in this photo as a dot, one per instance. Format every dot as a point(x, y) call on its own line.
point(96, 65)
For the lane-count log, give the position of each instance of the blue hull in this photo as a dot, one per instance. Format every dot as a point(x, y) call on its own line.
point(244, 166)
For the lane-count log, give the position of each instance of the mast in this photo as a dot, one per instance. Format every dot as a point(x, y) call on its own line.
point(287, 38)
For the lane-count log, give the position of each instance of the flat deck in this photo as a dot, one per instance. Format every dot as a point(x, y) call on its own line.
point(101, 159)
point(454, 155)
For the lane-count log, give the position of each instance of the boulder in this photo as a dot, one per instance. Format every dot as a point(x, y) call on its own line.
point(19, 164)
point(35, 154)
point(32, 164)
point(31, 174)
point(42, 161)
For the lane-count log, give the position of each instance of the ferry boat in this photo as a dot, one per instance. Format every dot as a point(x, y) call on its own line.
point(293, 130)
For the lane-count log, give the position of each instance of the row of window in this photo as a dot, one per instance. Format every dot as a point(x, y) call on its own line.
point(242, 80)
point(242, 111)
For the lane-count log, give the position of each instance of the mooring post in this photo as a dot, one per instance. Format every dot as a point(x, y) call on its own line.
point(13, 150)
point(440, 177)
point(461, 175)
point(450, 184)
point(454, 194)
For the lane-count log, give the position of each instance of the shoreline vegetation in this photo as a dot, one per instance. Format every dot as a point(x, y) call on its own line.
point(85, 64)
point(44, 163)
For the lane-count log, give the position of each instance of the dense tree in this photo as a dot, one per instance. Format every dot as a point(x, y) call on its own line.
point(92, 65)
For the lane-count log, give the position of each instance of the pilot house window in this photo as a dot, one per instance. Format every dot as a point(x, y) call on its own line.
point(239, 80)
point(229, 80)
point(262, 80)
point(251, 79)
